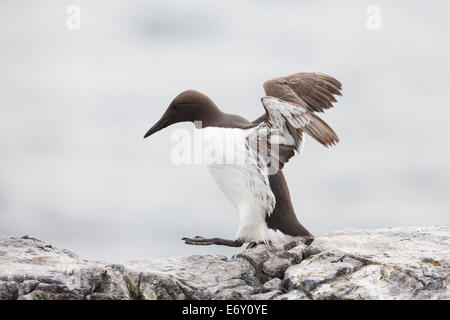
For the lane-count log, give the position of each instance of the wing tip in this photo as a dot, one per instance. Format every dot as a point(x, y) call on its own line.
point(316, 91)
point(322, 132)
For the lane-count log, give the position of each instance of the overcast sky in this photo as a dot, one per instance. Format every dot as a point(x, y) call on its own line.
point(74, 105)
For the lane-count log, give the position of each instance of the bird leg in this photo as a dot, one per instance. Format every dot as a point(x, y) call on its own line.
point(200, 241)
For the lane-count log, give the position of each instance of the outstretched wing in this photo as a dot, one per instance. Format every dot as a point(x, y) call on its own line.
point(288, 122)
point(314, 91)
point(309, 92)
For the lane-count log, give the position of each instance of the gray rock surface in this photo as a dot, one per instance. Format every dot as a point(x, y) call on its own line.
point(396, 263)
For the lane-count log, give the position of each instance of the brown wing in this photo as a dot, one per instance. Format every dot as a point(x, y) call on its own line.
point(282, 131)
point(314, 91)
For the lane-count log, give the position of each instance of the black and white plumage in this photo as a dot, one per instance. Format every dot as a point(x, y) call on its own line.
point(257, 188)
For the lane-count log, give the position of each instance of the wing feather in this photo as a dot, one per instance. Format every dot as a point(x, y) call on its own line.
point(289, 122)
point(315, 91)
point(290, 105)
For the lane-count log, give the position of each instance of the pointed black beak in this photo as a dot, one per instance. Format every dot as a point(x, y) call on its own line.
point(161, 124)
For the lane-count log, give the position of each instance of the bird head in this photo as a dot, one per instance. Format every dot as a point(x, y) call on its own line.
point(188, 106)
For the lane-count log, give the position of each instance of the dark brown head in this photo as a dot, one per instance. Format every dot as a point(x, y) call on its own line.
point(190, 106)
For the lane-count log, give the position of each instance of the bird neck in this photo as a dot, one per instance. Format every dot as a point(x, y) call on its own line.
point(209, 115)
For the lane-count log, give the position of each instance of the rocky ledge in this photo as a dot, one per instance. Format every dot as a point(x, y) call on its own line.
point(397, 263)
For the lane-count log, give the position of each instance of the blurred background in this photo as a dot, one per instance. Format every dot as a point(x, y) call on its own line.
point(74, 105)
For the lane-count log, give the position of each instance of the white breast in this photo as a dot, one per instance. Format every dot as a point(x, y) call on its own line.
point(244, 183)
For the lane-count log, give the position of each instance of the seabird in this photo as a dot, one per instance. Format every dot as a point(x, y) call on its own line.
point(261, 197)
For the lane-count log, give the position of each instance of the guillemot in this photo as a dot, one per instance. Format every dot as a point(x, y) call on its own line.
point(258, 189)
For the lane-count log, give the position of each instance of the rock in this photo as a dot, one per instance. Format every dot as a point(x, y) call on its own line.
point(318, 269)
point(275, 266)
point(293, 295)
point(397, 263)
point(270, 295)
point(274, 284)
point(194, 277)
point(33, 269)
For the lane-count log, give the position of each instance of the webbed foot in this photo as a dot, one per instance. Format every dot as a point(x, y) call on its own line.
point(200, 241)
